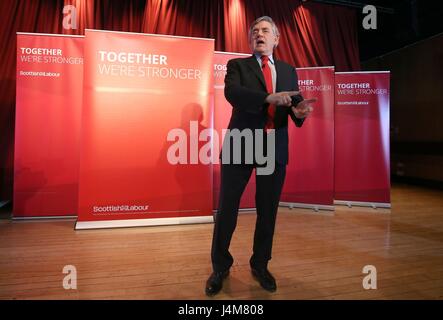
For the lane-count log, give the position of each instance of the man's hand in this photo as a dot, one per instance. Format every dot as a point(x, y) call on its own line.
point(281, 98)
point(304, 108)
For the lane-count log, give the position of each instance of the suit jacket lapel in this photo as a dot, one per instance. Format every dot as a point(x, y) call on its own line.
point(278, 70)
point(255, 67)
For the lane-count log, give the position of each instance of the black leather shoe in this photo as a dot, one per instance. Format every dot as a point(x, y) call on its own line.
point(265, 278)
point(215, 282)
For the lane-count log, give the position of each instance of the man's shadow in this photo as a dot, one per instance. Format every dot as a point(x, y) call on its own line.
point(189, 174)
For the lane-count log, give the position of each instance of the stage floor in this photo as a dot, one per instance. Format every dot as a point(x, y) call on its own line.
point(317, 255)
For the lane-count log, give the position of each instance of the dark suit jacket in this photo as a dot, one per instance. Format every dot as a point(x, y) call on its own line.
point(245, 89)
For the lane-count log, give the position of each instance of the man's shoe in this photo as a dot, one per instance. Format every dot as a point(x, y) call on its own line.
point(215, 282)
point(265, 278)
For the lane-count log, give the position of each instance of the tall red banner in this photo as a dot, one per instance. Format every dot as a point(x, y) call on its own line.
point(362, 172)
point(310, 171)
point(146, 123)
point(222, 114)
point(47, 129)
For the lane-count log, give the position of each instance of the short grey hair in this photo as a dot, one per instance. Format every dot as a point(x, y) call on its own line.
point(264, 18)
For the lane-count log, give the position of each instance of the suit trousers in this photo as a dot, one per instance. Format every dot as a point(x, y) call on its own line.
point(234, 178)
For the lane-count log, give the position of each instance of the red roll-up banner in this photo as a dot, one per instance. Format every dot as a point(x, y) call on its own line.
point(310, 172)
point(222, 114)
point(47, 128)
point(362, 172)
point(146, 131)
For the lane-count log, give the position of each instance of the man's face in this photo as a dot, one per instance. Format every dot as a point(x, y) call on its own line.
point(263, 40)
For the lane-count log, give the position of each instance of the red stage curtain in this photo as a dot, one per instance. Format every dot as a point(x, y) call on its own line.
point(312, 34)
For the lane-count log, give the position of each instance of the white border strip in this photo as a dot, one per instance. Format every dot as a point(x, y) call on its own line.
point(314, 207)
point(323, 67)
point(235, 53)
point(149, 34)
point(44, 218)
point(51, 34)
point(83, 225)
point(373, 205)
point(350, 72)
point(241, 210)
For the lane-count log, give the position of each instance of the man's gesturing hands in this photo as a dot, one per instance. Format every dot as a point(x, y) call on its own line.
point(281, 98)
point(303, 108)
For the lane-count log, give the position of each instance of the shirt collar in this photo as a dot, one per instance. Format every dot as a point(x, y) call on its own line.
point(258, 57)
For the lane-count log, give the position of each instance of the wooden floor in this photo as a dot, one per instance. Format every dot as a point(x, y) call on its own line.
point(315, 256)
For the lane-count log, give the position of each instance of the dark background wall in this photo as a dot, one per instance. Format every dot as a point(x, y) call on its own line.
point(416, 108)
point(408, 42)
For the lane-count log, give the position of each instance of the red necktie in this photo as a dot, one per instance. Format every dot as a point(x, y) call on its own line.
point(268, 79)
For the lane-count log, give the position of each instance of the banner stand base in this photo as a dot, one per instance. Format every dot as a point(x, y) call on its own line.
point(83, 225)
point(373, 205)
point(315, 207)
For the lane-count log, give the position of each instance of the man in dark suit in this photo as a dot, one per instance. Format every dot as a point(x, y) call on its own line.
point(263, 92)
